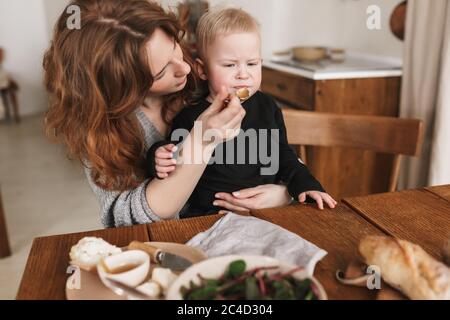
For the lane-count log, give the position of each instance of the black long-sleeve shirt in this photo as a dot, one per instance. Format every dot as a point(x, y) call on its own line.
point(262, 115)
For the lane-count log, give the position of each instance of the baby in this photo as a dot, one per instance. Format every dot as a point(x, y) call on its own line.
point(229, 48)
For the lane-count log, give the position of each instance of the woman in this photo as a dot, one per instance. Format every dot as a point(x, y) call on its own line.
point(116, 83)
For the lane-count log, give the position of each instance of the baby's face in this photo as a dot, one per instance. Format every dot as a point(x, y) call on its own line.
point(234, 61)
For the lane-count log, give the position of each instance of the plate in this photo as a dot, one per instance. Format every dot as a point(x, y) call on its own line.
point(85, 285)
point(215, 267)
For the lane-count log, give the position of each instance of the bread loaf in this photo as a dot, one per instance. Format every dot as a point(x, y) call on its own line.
point(407, 267)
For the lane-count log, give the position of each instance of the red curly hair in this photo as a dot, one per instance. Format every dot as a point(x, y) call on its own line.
point(97, 76)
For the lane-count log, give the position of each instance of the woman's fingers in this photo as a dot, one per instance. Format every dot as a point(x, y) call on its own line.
point(161, 169)
point(233, 111)
point(223, 119)
point(247, 193)
point(218, 102)
point(233, 128)
point(247, 203)
point(229, 206)
point(236, 121)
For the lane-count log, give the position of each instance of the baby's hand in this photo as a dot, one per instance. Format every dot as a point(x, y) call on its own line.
point(319, 197)
point(164, 161)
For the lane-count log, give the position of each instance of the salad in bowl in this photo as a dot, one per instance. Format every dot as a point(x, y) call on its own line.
point(245, 277)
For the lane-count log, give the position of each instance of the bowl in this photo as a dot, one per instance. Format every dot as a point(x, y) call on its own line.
point(281, 56)
point(215, 267)
point(309, 53)
point(129, 267)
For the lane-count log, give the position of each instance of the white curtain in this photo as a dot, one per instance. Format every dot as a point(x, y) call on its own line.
point(426, 90)
point(440, 156)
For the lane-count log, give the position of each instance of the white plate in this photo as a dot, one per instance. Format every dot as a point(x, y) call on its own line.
point(215, 267)
point(84, 285)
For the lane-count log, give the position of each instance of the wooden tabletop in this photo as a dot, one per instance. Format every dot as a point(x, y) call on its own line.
point(441, 191)
point(421, 216)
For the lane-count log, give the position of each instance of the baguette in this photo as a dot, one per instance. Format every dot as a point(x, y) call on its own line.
point(407, 267)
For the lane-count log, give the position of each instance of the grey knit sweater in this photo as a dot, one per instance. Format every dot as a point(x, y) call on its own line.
point(129, 207)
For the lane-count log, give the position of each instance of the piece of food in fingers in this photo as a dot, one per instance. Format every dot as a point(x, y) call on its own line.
point(243, 94)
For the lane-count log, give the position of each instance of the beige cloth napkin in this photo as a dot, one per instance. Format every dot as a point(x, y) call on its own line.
point(236, 234)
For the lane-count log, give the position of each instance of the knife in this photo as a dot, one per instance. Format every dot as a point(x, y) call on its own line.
point(165, 259)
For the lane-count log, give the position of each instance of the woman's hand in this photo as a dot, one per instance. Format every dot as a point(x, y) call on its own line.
point(260, 197)
point(222, 123)
point(319, 197)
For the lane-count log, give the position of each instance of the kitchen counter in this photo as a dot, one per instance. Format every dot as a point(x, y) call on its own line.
point(357, 86)
point(354, 66)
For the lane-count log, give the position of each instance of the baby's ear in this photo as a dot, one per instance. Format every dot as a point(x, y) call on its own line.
point(201, 70)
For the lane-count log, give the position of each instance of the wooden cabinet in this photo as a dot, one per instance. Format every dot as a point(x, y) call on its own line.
point(294, 90)
point(343, 172)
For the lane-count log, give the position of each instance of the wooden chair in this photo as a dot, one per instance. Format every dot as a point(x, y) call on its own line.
point(8, 94)
point(4, 243)
point(376, 133)
point(9, 97)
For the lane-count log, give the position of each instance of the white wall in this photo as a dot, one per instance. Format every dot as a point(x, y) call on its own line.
point(53, 9)
point(355, 37)
point(25, 32)
point(23, 35)
point(336, 23)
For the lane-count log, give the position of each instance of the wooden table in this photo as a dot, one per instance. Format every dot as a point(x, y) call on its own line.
point(421, 216)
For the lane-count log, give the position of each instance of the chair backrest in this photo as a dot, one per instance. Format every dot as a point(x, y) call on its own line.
point(376, 133)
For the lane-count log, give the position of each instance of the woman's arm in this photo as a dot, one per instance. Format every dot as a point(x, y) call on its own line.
point(126, 208)
point(260, 197)
point(155, 200)
point(167, 197)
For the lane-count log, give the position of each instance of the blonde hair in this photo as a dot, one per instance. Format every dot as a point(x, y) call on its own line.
point(222, 21)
